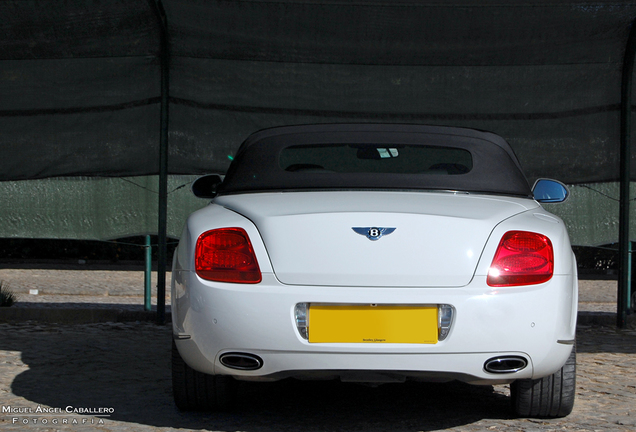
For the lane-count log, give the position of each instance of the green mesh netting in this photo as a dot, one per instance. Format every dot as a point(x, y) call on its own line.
point(92, 208)
point(80, 92)
point(108, 208)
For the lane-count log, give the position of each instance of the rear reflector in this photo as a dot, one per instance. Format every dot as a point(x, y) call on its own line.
point(226, 255)
point(522, 258)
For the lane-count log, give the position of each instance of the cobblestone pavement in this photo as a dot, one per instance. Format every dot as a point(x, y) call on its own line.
point(99, 288)
point(124, 370)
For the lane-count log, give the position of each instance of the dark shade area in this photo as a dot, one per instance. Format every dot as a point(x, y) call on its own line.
point(126, 251)
point(80, 79)
point(592, 261)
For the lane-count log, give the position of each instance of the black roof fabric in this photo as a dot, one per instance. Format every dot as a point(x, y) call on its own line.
point(80, 79)
point(256, 168)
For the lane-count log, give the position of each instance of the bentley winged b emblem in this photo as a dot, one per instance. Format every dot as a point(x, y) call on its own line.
point(373, 233)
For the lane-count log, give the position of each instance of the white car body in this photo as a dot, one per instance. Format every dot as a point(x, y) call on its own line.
point(440, 253)
point(536, 322)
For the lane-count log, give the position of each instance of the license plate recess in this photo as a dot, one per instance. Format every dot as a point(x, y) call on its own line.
point(372, 324)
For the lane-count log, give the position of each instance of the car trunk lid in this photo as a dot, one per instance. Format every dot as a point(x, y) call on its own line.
point(336, 238)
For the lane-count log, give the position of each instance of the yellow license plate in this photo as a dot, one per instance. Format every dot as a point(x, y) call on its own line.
point(372, 324)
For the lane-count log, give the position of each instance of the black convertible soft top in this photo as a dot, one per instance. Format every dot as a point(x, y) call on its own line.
point(375, 157)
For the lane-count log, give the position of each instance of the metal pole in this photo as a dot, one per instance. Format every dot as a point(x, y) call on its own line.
point(625, 175)
point(162, 228)
point(629, 272)
point(148, 275)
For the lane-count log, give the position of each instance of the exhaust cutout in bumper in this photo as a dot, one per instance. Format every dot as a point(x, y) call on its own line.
point(505, 364)
point(241, 361)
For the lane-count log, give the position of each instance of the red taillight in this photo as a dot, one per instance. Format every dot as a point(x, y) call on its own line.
point(226, 255)
point(522, 258)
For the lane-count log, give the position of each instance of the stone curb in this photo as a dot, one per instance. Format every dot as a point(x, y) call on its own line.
point(603, 319)
point(76, 315)
point(96, 315)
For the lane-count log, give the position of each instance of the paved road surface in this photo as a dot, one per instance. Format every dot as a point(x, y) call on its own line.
point(124, 370)
point(126, 367)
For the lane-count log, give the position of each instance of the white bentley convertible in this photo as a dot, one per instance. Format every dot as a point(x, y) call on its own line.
point(375, 253)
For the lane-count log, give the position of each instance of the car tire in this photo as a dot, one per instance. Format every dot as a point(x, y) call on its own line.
point(548, 397)
point(196, 391)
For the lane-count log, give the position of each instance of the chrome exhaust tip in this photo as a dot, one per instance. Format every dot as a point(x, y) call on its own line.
point(505, 364)
point(241, 361)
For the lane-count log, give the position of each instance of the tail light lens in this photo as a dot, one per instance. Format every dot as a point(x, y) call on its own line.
point(522, 258)
point(226, 255)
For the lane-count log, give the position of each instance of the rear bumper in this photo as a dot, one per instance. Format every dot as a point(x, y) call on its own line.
point(536, 323)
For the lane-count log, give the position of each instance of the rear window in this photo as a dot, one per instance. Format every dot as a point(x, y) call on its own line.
point(376, 158)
